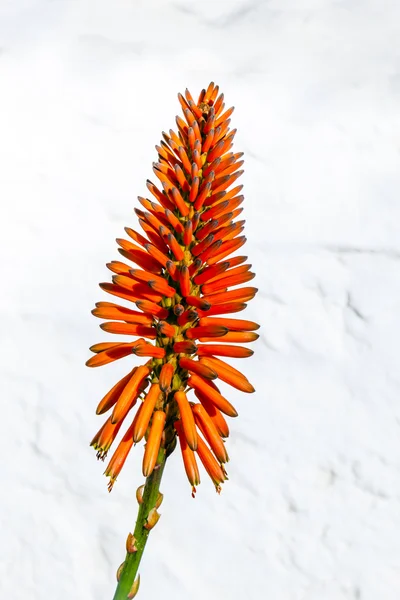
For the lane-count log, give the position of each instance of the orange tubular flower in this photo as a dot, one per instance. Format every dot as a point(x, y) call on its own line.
point(178, 276)
point(189, 459)
point(153, 442)
point(187, 419)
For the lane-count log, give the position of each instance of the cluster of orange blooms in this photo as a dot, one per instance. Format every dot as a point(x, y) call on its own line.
point(180, 287)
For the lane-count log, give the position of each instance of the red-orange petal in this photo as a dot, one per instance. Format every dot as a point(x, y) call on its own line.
point(187, 419)
point(159, 256)
point(223, 309)
point(197, 382)
point(154, 309)
point(199, 248)
point(231, 324)
point(153, 442)
point(143, 420)
point(166, 329)
point(112, 396)
point(129, 394)
point(184, 281)
point(108, 310)
point(188, 233)
point(179, 202)
point(119, 457)
point(230, 272)
point(195, 333)
point(174, 221)
point(138, 290)
point(194, 188)
point(143, 348)
point(105, 437)
point(205, 230)
point(215, 414)
point(175, 247)
point(211, 272)
point(197, 302)
point(210, 432)
point(162, 288)
point(189, 459)
point(145, 276)
point(197, 367)
point(107, 356)
point(187, 317)
point(226, 249)
point(219, 103)
point(223, 350)
point(140, 257)
point(187, 347)
point(162, 198)
point(228, 374)
point(185, 160)
point(215, 286)
point(210, 464)
point(236, 337)
point(118, 267)
point(101, 346)
point(166, 374)
point(240, 295)
point(129, 329)
point(120, 292)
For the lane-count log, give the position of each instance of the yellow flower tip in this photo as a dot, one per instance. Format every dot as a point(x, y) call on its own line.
point(104, 438)
point(188, 456)
point(210, 463)
point(110, 484)
point(101, 455)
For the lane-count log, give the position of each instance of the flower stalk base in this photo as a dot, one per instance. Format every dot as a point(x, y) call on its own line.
point(147, 517)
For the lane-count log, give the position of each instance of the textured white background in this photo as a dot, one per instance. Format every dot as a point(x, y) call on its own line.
point(311, 511)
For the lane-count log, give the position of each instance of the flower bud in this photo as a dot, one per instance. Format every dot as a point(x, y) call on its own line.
point(119, 570)
point(134, 589)
point(130, 544)
point(159, 500)
point(139, 494)
point(152, 519)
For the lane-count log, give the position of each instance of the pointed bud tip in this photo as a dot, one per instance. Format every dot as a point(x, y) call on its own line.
point(134, 589)
point(152, 519)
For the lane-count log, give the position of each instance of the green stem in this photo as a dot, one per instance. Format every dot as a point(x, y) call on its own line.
point(130, 566)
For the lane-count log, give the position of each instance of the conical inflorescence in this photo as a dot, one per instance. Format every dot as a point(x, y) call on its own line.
point(184, 280)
